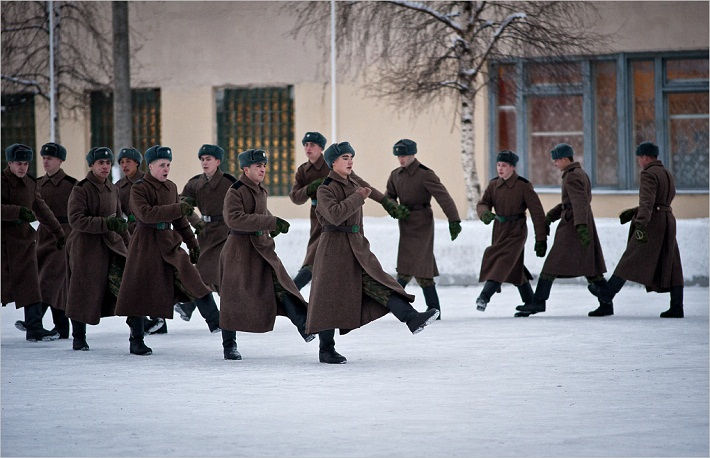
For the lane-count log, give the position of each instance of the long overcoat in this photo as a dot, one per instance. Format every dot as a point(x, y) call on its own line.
point(208, 196)
point(20, 281)
point(567, 257)
point(51, 261)
point(249, 262)
point(90, 247)
point(306, 173)
point(124, 186)
point(504, 260)
point(414, 186)
point(656, 263)
point(337, 299)
point(155, 259)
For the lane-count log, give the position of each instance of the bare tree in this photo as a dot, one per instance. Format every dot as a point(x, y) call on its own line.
point(413, 53)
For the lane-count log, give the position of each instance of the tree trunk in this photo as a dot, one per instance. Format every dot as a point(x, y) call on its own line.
point(468, 158)
point(122, 122)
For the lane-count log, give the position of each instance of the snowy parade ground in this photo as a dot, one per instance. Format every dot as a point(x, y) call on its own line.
point(473, 384)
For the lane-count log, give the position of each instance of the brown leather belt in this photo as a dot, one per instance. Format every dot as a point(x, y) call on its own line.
point(158, 226)
point(236, 232)
point(354, 229)
point(417, 206)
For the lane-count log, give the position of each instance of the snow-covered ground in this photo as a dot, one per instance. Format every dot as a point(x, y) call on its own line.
point(472, 384)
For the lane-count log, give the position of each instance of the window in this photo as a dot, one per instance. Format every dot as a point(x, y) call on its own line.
point(258, 118)
point(18, 124)
point(604, 107)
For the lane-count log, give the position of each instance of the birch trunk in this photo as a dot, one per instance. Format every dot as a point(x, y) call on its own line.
point(468, 158)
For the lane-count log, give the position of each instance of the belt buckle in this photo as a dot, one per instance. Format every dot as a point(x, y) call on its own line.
point(207, 218)
point(160, 226)
point(355, 229)
point(259, 233)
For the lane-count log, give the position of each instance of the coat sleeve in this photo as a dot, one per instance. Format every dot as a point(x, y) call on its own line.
point(237, 218)
point(578, 198)
point(537, 213)
point(298, 192)
point(334, 211)
point(648, 186)
point(391, 190)
point(376, 195)
point(46, 217)
point(152, 214)
point(556, 212)
point(435, 187)
point(189, 194)
point(486, 202)
point(77, 212)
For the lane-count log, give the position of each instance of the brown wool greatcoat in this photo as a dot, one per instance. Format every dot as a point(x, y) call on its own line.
point(414, 186)
point(337, 299)
point(656, 263)
point(248, 262)
point(567, 257)
point(90, 247)
point(209, 197)
point(504, 260)
point(305, 174)
point(20, 281)
point(124, 186)
point(52, 262)
point(155, 258)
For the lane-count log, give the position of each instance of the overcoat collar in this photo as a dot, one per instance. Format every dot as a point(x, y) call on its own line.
point(14, 179)
point(411, 168)
point(56, 178)
point(652, 164)
point(214, 181)
point(336, 177)
point(569, 168)
point(251, 185)
point(318, 165)
point(148, 178)
point(509, 183)
point(98, 184)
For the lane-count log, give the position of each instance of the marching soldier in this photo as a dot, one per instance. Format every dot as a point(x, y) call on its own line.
point(259, 288)
point(576, 250)
point(504, 260)
point(652, 257)
point(96, 247)
point(21, 201)
point(414, 184)
point(350, 289)
point(309, 176)
point(158, 271)
point(206, 192)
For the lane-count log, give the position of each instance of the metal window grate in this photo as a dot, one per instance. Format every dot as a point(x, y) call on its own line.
point(18, 124)
point(258, 118)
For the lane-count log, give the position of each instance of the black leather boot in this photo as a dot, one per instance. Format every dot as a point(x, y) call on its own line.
point(526, 292)
point(489, 289)
point(403, 281)
point(542, 294)
point(138, 347)
point(79, 336)
point(229, 344)
point(606, 290)
point(33, 324)
point(185, 310)
point(676, 310)
point(431, 299)
point(296, 312)
point(209, 311)
point(327, 353)
point(303, 277)
point(403, 310)
point(61, 322)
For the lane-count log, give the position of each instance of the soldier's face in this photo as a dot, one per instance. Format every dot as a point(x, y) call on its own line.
point(19, 168)
point(128, 166)
point(562, 162)
point(210, 164)
point(51, 164)
point(643, 161)
point(101, 168)
point(504, 170)
point(404, 161)
point(343, 165)
point(312, 150)
point(256, 172)
point(160, 169)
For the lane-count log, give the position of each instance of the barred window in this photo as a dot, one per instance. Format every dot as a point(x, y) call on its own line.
point(18, 124)
point(258, 118)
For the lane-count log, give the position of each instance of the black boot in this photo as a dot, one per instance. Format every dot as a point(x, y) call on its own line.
point(676, 310)
point(61, 322)
point(138, 347)
point(79, 336)
point(606, 290)
point(303, 277)
point(606, 307)
point(185, 310)
point(405, 313)
point(296, 312)
point(542, 293)
point(155, 326)
point(327, 353)
point(431, 299)
point(403, 281)
point(209, 311)
point(33, 324)
point(526, 292)
point(229, 344)
point(489, 289)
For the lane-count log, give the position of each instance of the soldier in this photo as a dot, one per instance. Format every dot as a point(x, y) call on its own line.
point(21, 200)
point(414, 184)
point(258, 288)
point(504, 260)
point(350, 289)
point(130, 160)
point(651, 257)
point(96, 248)
point(158, 272)
point(576, 250)
point(206, 191)
point(309, 176)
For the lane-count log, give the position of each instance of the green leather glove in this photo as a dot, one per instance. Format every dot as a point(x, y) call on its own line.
point(627, 215)
point(194, 254)
point(115, 224)
point(199, 227)
point(61, 242)
point(186, 209)
point(583, 233)
point(641, 234)
point(402, 212)
point(274, 233)
point(282, 225)
point(26, 215)
point(131, 218)
point(541, 248)
point(487, 217)
point(454, 229)
point(188, 200)
point(390, 206)
point(313, 187)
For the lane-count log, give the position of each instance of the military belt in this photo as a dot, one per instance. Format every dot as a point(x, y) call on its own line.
point(63, 219)
point(236, 232)
point(314, 202)
point(354, 229)
point(511, 218)
point(662, 208)
point(418, 207)
point(158, 226)
point(212, 218)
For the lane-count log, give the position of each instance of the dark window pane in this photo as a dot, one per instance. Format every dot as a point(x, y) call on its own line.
point(686, 70)
point(688, 130)
point(505, 86)
point(607, 155)
point(553, 74)
point(552, 120)
point(18, 124)
point(643, 123)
